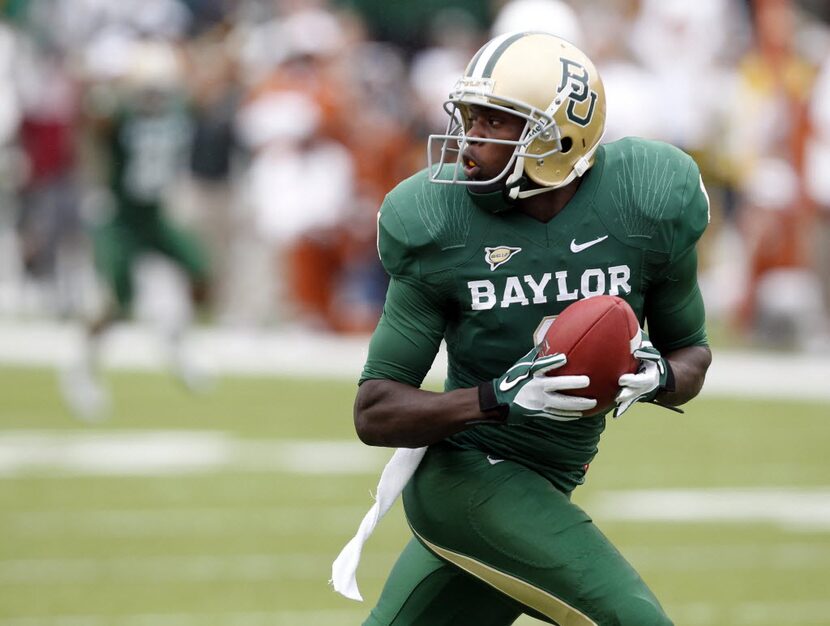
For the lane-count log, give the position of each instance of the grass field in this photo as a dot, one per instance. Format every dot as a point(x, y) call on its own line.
point(228, 509)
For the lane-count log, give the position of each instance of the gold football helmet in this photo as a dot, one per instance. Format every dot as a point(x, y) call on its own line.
point(547, 81)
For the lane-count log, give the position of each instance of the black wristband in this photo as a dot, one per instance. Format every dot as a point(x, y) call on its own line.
point(670, 384)
point(488, 403)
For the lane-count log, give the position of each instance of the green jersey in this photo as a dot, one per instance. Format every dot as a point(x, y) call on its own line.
point(148, 152)
point(484, 279)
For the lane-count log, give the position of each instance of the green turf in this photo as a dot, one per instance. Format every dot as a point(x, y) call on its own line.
point(237, 547)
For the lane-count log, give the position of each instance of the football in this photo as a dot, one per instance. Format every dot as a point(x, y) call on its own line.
point(596, 334)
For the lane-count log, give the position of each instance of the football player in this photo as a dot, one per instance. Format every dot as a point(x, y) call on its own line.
point(523, 212)
point(146, 137)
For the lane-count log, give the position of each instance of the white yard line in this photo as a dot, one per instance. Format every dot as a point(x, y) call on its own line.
point(168, 569)
point(803, 509)
point(161, 453)
point(331, 617)
point(164, 522)
point(285, 351)
point(752, 613)
point(181, 453)
point(311, 566)
point(730, 558)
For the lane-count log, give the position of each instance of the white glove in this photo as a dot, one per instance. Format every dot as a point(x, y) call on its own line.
point(650, 379)
point(540, 397)
point(525, 391)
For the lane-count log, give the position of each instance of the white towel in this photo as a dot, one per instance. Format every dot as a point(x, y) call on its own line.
point(393, 479)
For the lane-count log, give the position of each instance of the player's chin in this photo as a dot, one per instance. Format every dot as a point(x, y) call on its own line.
point(485, 181)
point(489, 187)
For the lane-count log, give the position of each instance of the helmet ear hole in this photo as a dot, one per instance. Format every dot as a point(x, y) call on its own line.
point(567, 144)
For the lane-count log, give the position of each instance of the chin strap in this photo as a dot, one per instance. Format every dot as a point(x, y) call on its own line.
point(535, 192)
point(516, 180)
point(514, 183)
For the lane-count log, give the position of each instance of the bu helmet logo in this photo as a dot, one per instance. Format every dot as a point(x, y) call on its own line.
point(575, 75)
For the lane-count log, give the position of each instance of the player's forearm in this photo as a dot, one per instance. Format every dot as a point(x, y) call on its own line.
point(689, 366)
point(388, 413)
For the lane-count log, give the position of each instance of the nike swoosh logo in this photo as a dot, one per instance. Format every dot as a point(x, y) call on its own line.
point(493, 461)
point(507, 385)
point(579, 247)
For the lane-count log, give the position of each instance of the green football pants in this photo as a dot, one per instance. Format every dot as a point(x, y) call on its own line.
point(496, 540)
point(119, 244)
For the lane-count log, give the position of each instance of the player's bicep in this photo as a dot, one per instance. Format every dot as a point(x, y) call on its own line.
point(674, 306)
point(407, 336)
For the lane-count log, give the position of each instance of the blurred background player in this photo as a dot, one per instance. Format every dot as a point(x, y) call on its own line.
point(144, 132)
